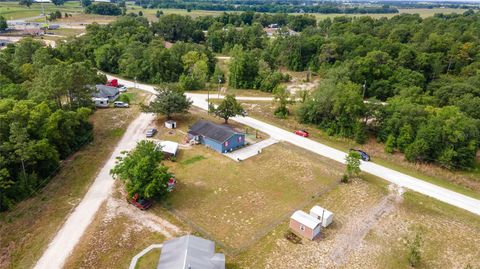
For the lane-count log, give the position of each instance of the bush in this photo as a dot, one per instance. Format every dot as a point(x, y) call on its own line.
point(124, 98)
point(390, 144)
point(414, 255)
point(190, 83)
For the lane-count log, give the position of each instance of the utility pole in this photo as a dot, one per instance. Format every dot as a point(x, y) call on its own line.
point(364, 88)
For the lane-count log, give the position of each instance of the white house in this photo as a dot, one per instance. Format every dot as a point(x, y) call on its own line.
point(305, 225)
point(323, 215)
point(42, 1)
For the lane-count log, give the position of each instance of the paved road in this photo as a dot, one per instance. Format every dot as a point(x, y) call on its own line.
point(72, 230)
point(400, 179)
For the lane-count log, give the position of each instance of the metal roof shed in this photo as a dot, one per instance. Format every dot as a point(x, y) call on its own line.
point(325, 216)
point(305, 225)
point(168, 147)
point(190, 252)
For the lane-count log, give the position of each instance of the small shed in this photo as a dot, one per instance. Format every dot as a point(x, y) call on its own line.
point(323, 215)
point(305, 225)
point(169, 148)
point(171, 124)
point(221, 138)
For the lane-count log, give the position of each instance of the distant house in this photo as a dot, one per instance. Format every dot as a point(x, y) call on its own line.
point(305, 225)
point(104, 95)
point(102, 91)
point(42, 1)
point(221, 138)
point(190, 252)
point(323, 215)
point(169, 148)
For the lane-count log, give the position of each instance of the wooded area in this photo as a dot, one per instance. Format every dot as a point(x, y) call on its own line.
point(45, 104)
point(426, 70)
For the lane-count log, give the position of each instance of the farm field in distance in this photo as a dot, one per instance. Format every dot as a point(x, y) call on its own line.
point(13, 11)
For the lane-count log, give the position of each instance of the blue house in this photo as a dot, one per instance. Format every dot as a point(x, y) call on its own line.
point(218, 137)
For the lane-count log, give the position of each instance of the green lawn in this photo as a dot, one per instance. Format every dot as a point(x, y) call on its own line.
point(14, 11)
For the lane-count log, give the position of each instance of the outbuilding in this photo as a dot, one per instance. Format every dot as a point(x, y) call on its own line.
point(171, 124)
point(169, 148)
point(305, 225)
point(221, 138)
point(323, 215)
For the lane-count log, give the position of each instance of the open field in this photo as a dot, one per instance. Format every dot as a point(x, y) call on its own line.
point(14, 11)
point(466, 182)
point(448, 234)
point(28, 228)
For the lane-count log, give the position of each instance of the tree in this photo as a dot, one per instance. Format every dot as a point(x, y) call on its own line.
point(3, 23)
point(353, 164)
point(27, 3)
point(86, 3)
point(390, 144)
point(282, 97)
point(243, 68)
point(142, 171)
point(229, 107)
point(169, 101)
point(158, 13)
point(58, 2)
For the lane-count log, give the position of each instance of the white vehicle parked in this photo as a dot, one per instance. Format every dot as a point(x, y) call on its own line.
point(122, 89)
point(120, 104)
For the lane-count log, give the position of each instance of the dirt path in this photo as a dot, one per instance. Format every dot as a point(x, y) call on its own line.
point(351, 238)
point(116, 207)
point(68, 236)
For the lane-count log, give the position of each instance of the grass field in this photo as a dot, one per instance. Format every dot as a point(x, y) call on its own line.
point(14, 11)
point(449, 235)
point(27, 229)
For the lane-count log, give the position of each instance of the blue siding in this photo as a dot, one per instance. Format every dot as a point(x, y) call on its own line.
point(212, 144)
point(234, 142)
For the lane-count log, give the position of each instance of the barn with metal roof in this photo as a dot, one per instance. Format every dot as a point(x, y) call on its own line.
point(221, 138)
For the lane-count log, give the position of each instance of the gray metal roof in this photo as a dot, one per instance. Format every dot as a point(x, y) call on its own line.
point(190, 252)
point(219, 133)
point(103, 91)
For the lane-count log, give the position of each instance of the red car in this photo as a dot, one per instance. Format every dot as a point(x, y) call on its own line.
point(140, 202)
point(301, 133)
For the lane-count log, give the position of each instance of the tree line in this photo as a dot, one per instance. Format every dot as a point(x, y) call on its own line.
point(270, 7)
point(414, 72)
point(45, 104)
